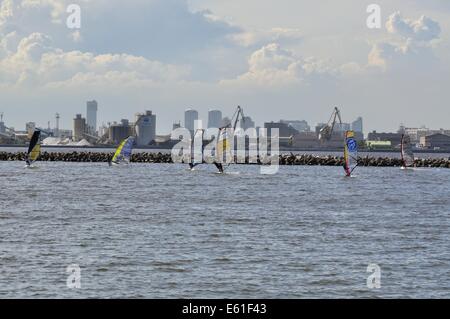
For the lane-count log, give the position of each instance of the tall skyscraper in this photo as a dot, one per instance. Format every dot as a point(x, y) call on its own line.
point(357, 125)
point(214, 119)
point(190, 116)
point(91, 117)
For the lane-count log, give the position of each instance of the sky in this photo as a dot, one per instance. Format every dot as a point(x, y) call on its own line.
point(283, 59)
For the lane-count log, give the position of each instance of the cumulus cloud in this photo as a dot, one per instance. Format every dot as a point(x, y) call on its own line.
point(414, 48)
point(274, 66)
point(156, 29)
point(422, 29)
point(149, 40)
point(35, 61)
point(261, 37)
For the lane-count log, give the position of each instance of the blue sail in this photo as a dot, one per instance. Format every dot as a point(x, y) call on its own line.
point(128, 148)
point(124, 151)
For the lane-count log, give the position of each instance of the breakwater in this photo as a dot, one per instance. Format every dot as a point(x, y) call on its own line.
point(95, 157)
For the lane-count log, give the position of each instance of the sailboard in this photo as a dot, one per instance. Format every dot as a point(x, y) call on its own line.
point(123, 152)
point(34, 149)
point(407, 152)
point(350, 153)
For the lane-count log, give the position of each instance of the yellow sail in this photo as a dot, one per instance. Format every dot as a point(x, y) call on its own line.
point(118, 151)
point(34, 150)
point(124, 151)
point(224, 147)
point(33, 156)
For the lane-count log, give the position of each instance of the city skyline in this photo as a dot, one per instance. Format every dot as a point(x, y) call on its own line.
point(281, 63)
point(55, 124)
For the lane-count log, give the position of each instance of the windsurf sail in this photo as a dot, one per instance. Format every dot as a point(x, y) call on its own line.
point(225, 141)
point(197, 153)
point(34, 150)
point(350, 153)
point(123, 152)
point(224, 146)
point(407, 152)
point(327, 131)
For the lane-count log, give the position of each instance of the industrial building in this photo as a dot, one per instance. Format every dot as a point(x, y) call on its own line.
point(305, 140)
point(284, 130)
point(145, 128)
point(120, 131)
point(394, 138)
point(79, 128)
point(299, 125)
point(436, 141)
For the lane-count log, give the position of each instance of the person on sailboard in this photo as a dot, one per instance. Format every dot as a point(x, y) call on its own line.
point(192, 165)
point(219, 167)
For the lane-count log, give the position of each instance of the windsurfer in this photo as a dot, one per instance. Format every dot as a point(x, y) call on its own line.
point(219, 167)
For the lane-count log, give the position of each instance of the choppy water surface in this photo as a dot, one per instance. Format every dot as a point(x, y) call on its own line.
point(158, 231)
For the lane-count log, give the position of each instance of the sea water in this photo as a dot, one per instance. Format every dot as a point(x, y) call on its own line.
point(162, 231)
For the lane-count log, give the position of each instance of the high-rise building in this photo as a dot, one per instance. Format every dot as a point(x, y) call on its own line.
point(79, 127)
point(357, 125)
point(190, 116)
point(214, 119)
point(145, 127)
point(91, 117)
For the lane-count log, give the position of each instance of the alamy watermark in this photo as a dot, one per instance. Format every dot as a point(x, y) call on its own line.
point(374, 279)
point(74, 19)
point(374, 19)
point(228, 146)
point(74, 279)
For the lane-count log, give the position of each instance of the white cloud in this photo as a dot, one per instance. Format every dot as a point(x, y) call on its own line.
point(36, 62)
point(274, 66)
point(413, 51)
point(156, 29)
point(261, 37)
point(422, 29)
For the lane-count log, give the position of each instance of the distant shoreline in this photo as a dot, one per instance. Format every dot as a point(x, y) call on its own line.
point(282, 149)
